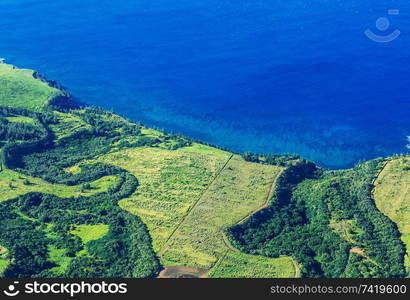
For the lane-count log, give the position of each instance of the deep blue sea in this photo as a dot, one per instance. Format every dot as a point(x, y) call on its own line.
point(282, 76)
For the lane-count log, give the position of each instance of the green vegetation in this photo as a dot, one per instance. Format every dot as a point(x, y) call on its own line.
point(87, 193)
point(346, 229)
point(42, 202)
point(20, 119)
point(58, 258)
point(88, 233)
point(68, 124)
point(308, 221)
point(392, 197)
point(37, 231)
point(14, 184)
point(20, 89)
point(4, 259)
point(177, 189)
point(238, 190)
point(170, 183)
point(240, 265)
point(60, 213)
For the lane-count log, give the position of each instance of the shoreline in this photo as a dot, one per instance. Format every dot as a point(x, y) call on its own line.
point(68, 101)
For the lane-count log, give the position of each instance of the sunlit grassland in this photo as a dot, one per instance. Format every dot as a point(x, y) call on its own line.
point(20, 89)
point(392, 196)
point(59, 258)
point(89, 233)
point(167, 143)
point(241, 265)
point(240, 189)
point(13, 184)
point(186, 198)
point(4, 259)
point(151, 132)
point(20, 119)
point(3, 265)
point(67, 125)
point(170, 182)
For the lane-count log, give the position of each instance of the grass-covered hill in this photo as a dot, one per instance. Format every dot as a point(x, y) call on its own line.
point(87, 193)
point(22, 88)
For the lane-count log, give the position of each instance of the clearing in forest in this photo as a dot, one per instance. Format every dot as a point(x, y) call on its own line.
point(189, 196)
point(392, 196)
point(14, 184)
point(170, 182)
point(20, 89)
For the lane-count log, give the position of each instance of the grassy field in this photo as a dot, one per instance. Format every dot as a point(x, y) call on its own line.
point(4, 260)
point(67, 125)
point(239, 190)
point(189, 196)
point(186, 197)
point(89, 233)
point(20, 89)
point(241, 265)
point(170, 183)
point(392, 196)
point(13, 184)
point(20, 119)
point(59, 258)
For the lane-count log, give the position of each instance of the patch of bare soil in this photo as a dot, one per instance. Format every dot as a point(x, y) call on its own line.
point(360, 252)
point(183, 272)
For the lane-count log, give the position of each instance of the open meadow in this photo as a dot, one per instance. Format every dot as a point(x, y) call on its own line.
point(392, 196)
point(20, 89)
point(170, 183)
point(240, 265)
point(14, 184)
point(240, 189)
point(189, 196)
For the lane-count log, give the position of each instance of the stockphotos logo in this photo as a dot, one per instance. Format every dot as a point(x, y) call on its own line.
point(12, 290)
point(71, 289)
point(382, 25)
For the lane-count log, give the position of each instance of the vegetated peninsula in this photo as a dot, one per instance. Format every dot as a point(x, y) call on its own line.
point(85, 192)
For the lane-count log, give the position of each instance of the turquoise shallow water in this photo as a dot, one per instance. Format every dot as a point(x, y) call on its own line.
point(265, 76)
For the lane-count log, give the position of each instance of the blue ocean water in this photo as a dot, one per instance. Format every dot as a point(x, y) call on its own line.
point(251, 75)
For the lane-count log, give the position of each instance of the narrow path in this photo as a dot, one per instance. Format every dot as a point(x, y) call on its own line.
point(228, 243)
point(1, 160)
point(361, 252)
point(225, 239)
point(297, 269)
point(357, 250)
point(267, 201)
point(163, 249)
point(377, 175)
point(265, 205)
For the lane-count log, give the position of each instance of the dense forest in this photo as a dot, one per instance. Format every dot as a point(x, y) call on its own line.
point(302, 222)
